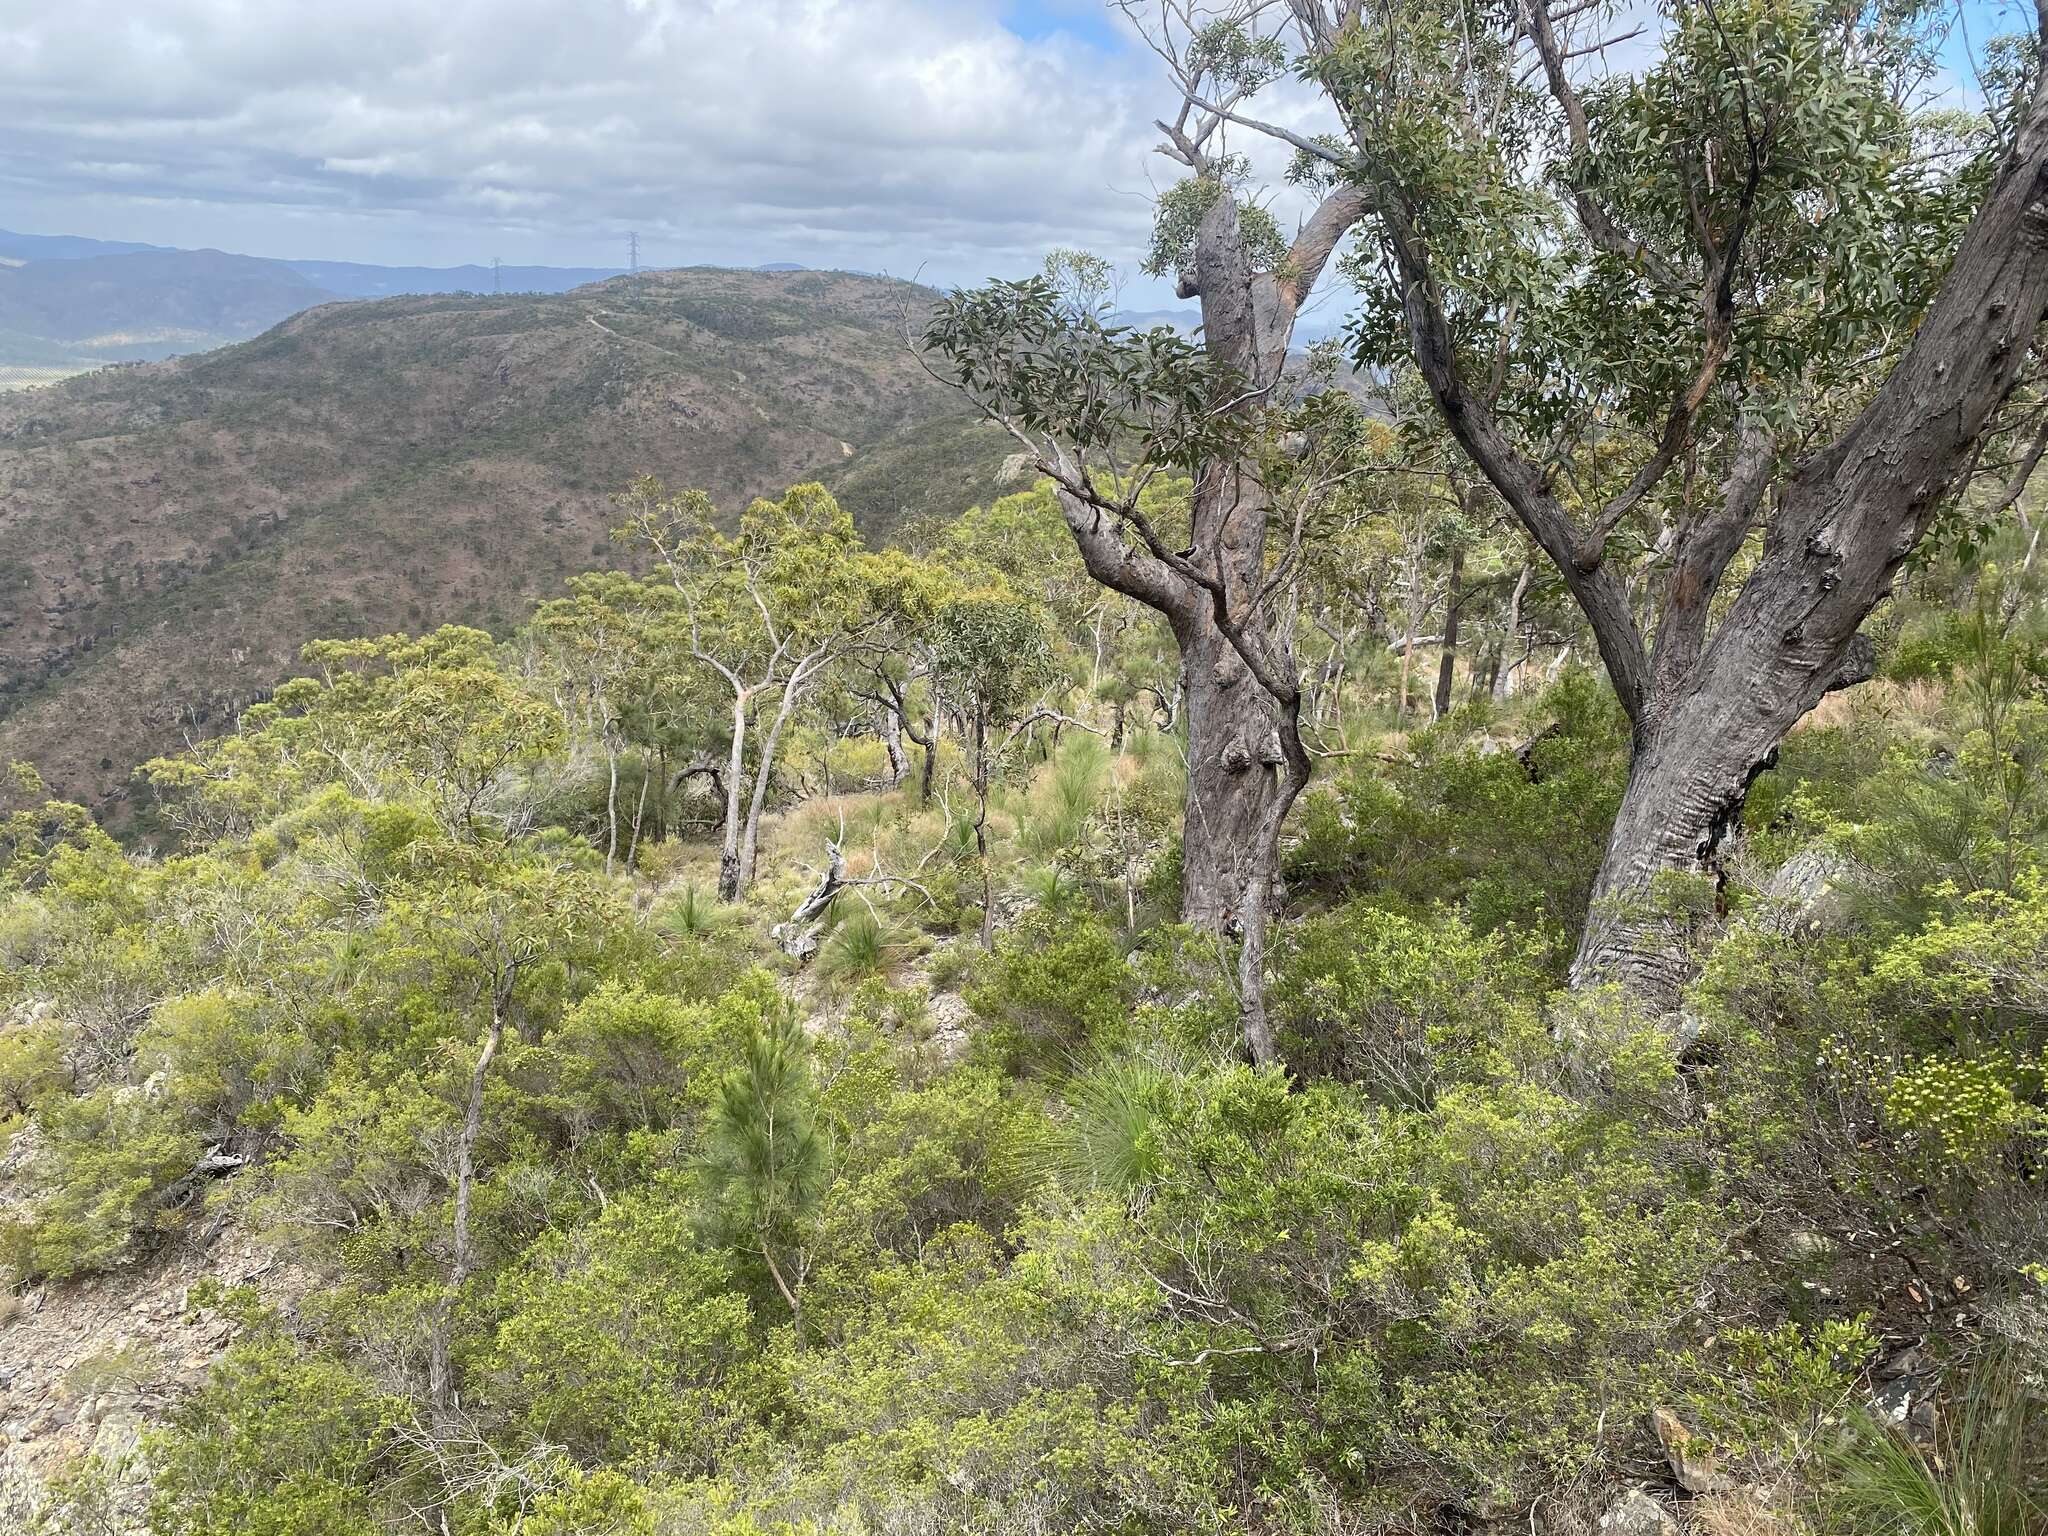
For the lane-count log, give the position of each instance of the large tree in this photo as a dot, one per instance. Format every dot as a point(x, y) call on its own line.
point(1724, 331)
point(1108, 413)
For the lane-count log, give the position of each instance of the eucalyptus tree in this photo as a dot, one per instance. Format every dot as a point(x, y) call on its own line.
point(1725, 332)
point(604, 643)
point(989, 651)
point(1108, 412)
point(767, 611)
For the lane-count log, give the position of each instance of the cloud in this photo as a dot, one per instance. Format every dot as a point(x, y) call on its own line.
point(881, 134)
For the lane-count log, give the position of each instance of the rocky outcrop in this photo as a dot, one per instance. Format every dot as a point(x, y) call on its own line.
point(87, 1366)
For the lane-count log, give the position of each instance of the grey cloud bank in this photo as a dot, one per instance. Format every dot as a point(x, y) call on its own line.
point(897, 135)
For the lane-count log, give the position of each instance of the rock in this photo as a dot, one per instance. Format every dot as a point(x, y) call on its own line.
point(1635, 1513)
point(1693, 1463)
point(1907, 1404)
point(1813, 893)
point(1803, 1245)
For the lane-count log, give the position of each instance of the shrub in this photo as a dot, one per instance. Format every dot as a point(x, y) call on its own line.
point(100, 1179)
point(625, 1342)
point(1054, 992)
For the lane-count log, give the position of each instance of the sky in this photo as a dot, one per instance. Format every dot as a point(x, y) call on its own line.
point(960, 138)
point(952, 139)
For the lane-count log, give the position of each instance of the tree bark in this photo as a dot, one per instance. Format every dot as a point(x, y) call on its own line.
point(1707, 714)
point(988, 912)
point(1847, 518)
point(729, 850)
point(1230, 728)
point(639, 812)
point(1233, 809)
point(1447, 664)
point(611, 802)
point(892, 743)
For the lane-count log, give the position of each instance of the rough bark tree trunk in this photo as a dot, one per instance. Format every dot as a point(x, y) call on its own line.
point(1708, 712)
point(931, 749)
point(1230, 727)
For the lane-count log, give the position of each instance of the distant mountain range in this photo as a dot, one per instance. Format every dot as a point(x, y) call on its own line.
point(68, 303)
point(171, 533)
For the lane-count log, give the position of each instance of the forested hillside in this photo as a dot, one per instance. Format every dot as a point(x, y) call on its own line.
point(1189, 951)
point(171, 534)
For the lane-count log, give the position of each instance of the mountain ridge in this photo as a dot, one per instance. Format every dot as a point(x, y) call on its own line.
point(172, 533)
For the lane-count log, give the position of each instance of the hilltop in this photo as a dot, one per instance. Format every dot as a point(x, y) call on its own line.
point(172, 533)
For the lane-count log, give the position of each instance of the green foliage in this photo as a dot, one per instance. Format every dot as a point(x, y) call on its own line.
point(277, 1443)
point(1023, 350)
point(103, 1176)
point(1982, 1479)
point(859, 946)
point(1403, 1005)
point(766, 1159)
point(1514, 837)
point(1054, 992)
point(625, 1342)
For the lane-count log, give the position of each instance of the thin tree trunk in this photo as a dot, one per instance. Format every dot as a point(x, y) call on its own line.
point(796, 1307)
point(611, 803)
point(931, 748)
point(639, 811)
point(729, 853)
point(988, 904)
point(892, 743)
point(792, 691)
point(440, 1382)
point(1447, 664)
point(1407, 662)
point(1504, 680)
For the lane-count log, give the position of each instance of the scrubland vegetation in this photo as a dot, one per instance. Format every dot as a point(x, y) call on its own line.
point(1467, 959)
point(614, 1217)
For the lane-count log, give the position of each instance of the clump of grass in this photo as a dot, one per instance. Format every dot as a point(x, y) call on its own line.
point(1055, 890)
point(1107, 1140)
point(1060, 809)
point(1978, 1479)
point(859, 946)
point(693, 915)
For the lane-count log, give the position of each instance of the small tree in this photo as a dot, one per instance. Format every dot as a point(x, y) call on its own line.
point(768, 610)
point(768, 1161)
point(989, 647)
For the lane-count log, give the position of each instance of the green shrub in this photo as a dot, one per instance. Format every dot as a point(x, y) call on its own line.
point(278, 1444)
point(99, 1182)
point(1403, 1004)
point(1054, 992)
point(625, 1342)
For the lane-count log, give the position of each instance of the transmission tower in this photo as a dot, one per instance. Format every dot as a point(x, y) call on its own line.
point(633, 252)
point(497, 282)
